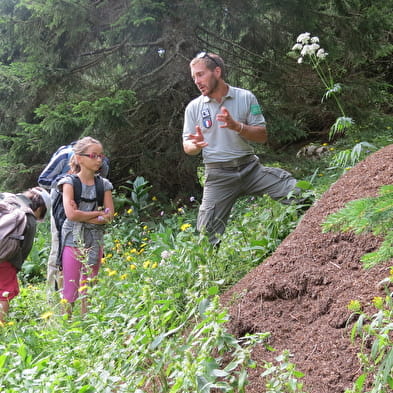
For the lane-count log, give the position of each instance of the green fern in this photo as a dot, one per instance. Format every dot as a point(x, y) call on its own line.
point(373, 215)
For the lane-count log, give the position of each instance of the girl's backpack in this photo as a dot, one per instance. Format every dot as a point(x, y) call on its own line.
point(12, 225)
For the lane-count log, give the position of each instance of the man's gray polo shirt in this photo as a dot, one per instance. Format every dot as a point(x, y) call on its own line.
point(223, 144)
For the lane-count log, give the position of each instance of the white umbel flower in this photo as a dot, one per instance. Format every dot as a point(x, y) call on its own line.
point(321, 54)
point(297, 46)
point(303, 38)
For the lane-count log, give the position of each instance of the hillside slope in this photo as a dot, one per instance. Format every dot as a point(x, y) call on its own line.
point(300, 294)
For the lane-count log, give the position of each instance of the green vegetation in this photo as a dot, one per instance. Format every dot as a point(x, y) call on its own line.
point(155, 324)
point(119, 71)
point(377, 363)
point(368, 215)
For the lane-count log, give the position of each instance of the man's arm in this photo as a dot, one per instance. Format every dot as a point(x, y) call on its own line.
point(251, 133)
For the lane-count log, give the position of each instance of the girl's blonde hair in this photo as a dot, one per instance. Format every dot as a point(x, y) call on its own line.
point(80, 147)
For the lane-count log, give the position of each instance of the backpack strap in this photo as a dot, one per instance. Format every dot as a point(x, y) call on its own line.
point(77, 184)
point(99, 184)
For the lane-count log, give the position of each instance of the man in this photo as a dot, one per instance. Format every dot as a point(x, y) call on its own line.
point(220, 123)
point(57, 167)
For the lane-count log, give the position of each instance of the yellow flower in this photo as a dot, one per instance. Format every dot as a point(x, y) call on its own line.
point(132, 267)
point(325, 144)
point(83, 288)
point(378, 302)
point(154, 265)
point(134, 251)
point(154, 198)
point(129, 211)
point(354, 305)
point(112, 273)
point(185, 226)
point(46, 315)
point(142, 250)
point(63, 301)
point(129, 258)
point(331, 148)
point(103, 261)
point(145, 227)
point(109, 256)
point(123, 276)
point(11, 323)
point(146, 264)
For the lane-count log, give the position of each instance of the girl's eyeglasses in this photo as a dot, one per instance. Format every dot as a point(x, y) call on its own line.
point(93, 156)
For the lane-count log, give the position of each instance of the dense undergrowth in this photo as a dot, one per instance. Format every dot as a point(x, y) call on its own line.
point(154, 322)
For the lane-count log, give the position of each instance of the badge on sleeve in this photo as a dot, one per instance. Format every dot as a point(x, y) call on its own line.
point(206, 118)
point(256, 109)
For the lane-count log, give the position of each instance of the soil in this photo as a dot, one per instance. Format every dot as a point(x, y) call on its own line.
point(300, 294)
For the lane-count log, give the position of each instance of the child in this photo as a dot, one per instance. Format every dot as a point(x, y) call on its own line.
point(57, 167)
point(38, 200)
point(83, 229)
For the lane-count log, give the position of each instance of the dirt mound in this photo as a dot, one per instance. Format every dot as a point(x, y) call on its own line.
point(300, 294)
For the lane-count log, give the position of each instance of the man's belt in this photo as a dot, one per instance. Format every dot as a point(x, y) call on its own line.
point(233, 163)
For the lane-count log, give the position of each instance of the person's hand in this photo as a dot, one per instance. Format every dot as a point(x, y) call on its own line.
point(227, 120)
point(198, 139)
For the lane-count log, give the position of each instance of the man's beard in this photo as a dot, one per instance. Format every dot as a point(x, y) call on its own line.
point(213, 87)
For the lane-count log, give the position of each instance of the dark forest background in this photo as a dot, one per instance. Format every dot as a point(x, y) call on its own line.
point(118, 70)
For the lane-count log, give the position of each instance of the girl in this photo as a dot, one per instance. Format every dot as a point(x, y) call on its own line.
point(83, 229)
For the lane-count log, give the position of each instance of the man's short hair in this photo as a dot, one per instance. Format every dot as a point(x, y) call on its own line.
point(211, 60)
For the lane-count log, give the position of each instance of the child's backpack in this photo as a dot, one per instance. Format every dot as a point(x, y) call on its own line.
point(58, 212)
point(12, 225)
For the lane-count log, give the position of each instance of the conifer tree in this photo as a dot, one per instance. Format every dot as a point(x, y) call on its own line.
point(375, 215)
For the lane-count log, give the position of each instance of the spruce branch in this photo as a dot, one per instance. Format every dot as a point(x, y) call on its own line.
point(374, 215)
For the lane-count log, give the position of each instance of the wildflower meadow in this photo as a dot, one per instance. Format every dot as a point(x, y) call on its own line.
point(154, 322)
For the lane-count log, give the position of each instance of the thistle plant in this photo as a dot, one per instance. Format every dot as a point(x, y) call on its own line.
point(309, 49)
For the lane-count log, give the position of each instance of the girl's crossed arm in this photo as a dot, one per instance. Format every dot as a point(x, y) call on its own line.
point(73, 214)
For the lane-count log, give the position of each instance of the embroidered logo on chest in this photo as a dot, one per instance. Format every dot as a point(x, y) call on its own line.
point(206, 118)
